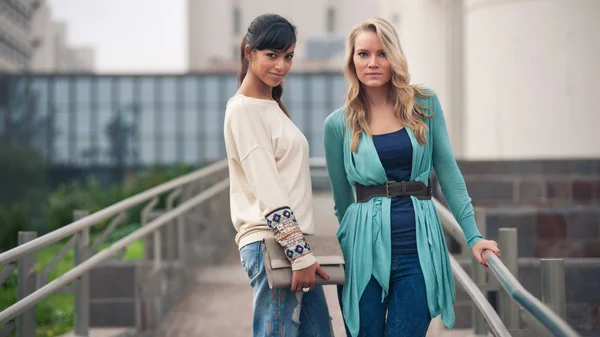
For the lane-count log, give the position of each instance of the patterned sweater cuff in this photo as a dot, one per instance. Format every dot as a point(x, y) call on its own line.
point(287, 233)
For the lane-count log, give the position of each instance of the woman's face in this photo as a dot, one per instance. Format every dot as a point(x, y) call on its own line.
point(373, 68)
point(271, 66)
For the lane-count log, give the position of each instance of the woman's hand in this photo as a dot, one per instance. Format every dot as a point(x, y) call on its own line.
point(304, 279)
point(482, 245)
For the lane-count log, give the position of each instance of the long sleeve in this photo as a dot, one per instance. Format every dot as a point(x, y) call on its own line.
point(248, 137)
point(451, 179)
point(343, 195)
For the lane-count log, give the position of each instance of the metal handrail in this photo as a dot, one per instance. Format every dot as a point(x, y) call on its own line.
point(93, 219)
point(552, 321)
point(10, 258)
point(548, 318)
point(486, 309)
point(24, 254)
point(47, 290)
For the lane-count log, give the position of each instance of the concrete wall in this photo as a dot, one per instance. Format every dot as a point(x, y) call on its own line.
point(431, 37)
point(134, 294)
point(113, 305)
point(519, 83)
point(532, 73)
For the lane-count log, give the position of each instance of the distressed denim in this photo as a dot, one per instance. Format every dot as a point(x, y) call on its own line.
point(282, 312)
point(405, 305)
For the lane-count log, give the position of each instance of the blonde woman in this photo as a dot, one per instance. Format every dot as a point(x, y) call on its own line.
point(385, 142)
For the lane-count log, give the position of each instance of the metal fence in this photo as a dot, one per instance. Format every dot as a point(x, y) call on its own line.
point(201, 194)
point(547, 318)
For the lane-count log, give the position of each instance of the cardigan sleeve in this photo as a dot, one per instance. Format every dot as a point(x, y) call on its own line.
point(343, 194)
point(250, 139)
point(451, 179)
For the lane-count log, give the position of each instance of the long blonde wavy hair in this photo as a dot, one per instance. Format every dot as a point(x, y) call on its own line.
point(401, 92)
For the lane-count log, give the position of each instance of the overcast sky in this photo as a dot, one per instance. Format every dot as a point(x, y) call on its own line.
point(128, 35)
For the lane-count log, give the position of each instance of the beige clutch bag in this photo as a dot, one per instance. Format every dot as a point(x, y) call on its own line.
point(326, 250)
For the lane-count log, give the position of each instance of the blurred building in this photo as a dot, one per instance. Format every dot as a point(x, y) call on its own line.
point(54, 53)
point(215, 30)
point(90, 120)
point(17, 41)
point(517, 79)
point(31, 41)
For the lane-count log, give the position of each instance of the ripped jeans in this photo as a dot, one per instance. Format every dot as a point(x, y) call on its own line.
point(281, 312)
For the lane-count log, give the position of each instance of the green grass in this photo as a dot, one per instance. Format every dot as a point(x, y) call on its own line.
point(54, 314)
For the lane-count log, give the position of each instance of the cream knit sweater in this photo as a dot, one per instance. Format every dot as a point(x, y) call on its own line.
point(271, 192)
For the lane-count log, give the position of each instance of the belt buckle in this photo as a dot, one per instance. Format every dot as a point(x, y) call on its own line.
point(387, 188)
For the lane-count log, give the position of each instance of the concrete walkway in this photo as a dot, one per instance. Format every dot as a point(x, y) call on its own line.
point(221, 302)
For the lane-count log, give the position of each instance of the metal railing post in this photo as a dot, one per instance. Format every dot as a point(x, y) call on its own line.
point(157, 250)
point(171, 229)
point(26, 285)
point(508, 244)
point(553, 285)
point(181, 234)
point(82, 285)
point(479, 275)
point(539, 317)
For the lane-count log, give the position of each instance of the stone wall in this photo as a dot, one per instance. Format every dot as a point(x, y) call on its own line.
point(554, 204)
point(540, 183)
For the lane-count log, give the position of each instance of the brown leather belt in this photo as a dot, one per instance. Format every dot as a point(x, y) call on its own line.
point(392, 189)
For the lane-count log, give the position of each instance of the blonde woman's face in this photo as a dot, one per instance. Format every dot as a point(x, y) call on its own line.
point(370, 60)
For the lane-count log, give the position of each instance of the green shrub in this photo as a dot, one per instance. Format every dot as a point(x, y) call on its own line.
point(23, 192)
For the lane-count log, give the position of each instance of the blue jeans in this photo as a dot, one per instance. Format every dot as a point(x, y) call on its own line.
point(405, 306)
point(282, 312)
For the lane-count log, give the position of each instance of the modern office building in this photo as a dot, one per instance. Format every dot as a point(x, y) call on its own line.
point(97, 120)
point(32, 41)
point(17, 40)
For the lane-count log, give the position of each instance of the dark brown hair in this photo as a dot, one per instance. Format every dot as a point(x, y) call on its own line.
point(268, 31)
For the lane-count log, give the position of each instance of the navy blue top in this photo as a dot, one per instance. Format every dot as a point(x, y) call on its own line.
point(395, 153)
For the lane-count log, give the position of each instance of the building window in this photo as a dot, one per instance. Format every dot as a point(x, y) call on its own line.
point(237, 21)
point(330, 20)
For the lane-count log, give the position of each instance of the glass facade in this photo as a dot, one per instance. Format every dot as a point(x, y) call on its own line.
point(83, 120)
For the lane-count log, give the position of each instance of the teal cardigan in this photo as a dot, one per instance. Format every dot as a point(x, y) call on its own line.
point(364, 231)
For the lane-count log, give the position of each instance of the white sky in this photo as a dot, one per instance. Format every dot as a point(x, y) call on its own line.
point(128, 35)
